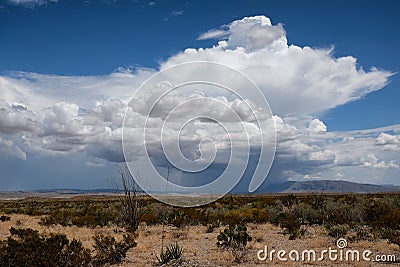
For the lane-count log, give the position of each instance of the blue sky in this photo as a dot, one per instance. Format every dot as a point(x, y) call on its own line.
point(42, 41)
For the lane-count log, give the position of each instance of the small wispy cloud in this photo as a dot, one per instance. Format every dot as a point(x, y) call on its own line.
point(176, 13)
point(31, 3)
point(152, 3)
point(95, 164)
point(214, 34)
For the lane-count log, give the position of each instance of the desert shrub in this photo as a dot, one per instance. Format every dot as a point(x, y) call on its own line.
point(87, 213)
point(75, 255)
point(381, 215)
point(364, 233)
point(178, 218)
point(207, 215)
point(259, 215)
point(150, 217)
point(337, 230)
point(359, 206)
point(383, 232)
point(211, 226)
point(247, 214)
point(155, 213)
point(213, 214)
point(319, 202)
point(172, 252)
point(234, 236)
point(395, 238)
point(391, 200)
point(289, 200)
point(275, 212)
point(342, 214)
point(196, 216)
point(109, 251)
point(232, 217)
point(26, 247)
point(291, 224)
point(307, 214)
point(4, 218)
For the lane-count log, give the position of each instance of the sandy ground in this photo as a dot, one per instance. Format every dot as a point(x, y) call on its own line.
point(200, 247)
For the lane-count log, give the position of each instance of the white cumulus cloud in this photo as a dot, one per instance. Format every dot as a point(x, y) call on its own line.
point(50, 114)
point(295, 80)
point(317, 126)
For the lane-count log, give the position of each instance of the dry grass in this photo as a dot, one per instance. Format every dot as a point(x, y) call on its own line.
point(200, 247)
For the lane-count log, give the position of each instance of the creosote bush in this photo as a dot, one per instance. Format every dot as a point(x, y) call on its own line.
point(292, 225)
point(337, 231)
point(364, 233)
point(26, 247)
point(109, 251)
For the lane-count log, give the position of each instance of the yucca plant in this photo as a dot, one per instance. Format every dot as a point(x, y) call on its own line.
point(172, 252)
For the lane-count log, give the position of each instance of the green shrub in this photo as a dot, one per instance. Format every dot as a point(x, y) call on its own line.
point(395, 239)
point(289, 200)
point(213, 225)
point(172, 252)
point(109, 251)
point(275, 212)
point(292, 225)
point(380, 215)
point(75, 255)
point(26, 247)
point(319, 202)
point(178, 218)
point(337, 231)
point(307, 214)
point(342, 214)
point(364, 233)
point(150, 217)
point(89, 214)
point(391, 200)
point(233, 217)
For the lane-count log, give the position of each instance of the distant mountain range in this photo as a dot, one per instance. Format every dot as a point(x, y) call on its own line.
point(327, 186)
point(316, 186)
point(54, 193)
